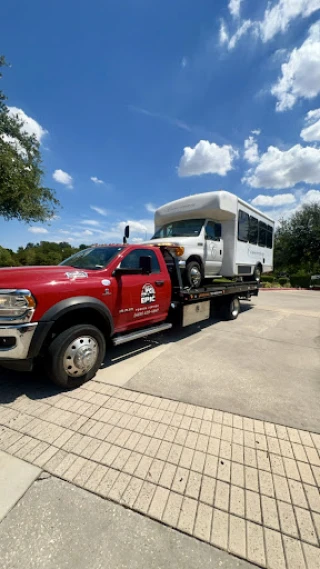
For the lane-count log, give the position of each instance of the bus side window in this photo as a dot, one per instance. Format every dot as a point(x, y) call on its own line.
point(243, 226)
point(253, 230)
point(269, 236)
point(262, 234)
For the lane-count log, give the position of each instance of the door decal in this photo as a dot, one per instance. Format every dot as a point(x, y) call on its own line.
point(148, 294)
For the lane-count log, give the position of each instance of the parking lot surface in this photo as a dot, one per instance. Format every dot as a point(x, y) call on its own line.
point(264, 365)
point(195, 432)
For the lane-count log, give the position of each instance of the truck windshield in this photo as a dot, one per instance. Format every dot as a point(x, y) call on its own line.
point(94, 258)
point(183, 228)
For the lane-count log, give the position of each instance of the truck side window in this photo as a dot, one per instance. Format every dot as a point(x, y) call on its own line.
point(243, 226)
point(132, 260)
point(210, 231)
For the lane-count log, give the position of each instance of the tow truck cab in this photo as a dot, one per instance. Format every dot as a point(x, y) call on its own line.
point(65, 316)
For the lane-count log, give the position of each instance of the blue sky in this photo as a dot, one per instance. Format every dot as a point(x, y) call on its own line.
point(137, 103)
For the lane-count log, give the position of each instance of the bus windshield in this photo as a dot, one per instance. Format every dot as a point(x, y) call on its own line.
point(94, 258)
point(183, 228)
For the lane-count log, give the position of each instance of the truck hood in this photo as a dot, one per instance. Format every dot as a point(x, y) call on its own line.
point(27, 277)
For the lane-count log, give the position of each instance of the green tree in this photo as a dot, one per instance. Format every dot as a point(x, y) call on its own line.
point(22, 195)
point(7, 258)
point(297, 241)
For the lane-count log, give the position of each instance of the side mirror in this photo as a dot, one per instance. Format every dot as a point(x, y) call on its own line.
point(145, 265)
point(126, 233)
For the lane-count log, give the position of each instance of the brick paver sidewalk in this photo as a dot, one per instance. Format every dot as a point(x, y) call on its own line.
point(245, 486)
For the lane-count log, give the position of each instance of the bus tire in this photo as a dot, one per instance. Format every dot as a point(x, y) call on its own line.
point(193, 274)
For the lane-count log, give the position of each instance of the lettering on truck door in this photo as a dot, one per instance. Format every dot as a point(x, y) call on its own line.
point(149, 294)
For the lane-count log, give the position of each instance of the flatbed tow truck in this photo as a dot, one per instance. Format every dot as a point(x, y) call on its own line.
point(65, 317)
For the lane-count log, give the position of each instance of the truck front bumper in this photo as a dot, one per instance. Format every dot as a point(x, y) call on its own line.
point(15, 341)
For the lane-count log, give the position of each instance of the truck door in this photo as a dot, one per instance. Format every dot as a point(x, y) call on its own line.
point(150, 295)
point(213, 251)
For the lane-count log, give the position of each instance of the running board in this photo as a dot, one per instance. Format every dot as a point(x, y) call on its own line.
point(141, 334)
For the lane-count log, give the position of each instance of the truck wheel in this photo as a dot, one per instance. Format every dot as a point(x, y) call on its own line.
point(75, 356)
point(257, 274)
point(193, 274)
point(230, 308)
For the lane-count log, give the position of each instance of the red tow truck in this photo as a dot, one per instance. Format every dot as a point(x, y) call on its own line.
point(65, 316)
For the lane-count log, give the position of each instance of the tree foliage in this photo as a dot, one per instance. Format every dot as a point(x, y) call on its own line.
point(43, 253)
point(297, 241)
point(22, 195)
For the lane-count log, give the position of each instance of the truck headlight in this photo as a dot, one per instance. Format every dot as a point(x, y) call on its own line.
point(16, 305)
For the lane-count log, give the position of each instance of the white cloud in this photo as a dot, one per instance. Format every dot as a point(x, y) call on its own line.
point(256, 132)
point(38, 230)
point(278, 17)
point(184, 62)
point(63, 178)
point(245, 26)
point(92, 222)
point(301, 73)
point(99, 210)
point(286, 211)
point(172, 121)
point(251, 150)
point(273, 201)
point(87, 232)
point(312, 196)
point(96, 180)
point(30, 125)
point(15, 144)
point(234, 8)
point(223, 33)
point(150, 207)
point(311, 132)
point(207, 158)
point(279, 169)
point(143, 226)
point(137, 240)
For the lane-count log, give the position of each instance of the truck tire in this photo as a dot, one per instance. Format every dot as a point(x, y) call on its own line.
point(194, 275)
point(230, 308)
point(75, 355)
point(256, 275)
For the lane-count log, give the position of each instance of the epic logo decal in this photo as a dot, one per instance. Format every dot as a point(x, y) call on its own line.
point(148, 294)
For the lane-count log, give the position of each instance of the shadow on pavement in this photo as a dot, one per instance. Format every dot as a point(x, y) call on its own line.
point(35, 385)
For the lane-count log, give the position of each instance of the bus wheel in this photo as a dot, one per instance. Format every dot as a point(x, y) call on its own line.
point(193, 274)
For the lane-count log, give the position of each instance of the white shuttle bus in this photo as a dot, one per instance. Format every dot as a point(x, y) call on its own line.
point(216, 234)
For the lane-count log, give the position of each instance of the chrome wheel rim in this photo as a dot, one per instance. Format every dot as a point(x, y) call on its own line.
point(80, 356)
point(195, 275)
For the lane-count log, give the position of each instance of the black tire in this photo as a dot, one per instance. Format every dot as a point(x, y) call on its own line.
point(193, 274)
point(57, 356)
point(256, 276)
point(230, 308)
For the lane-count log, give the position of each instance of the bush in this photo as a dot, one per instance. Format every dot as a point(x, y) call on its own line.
point(284, 281)
point(266, 285)
point(267, 278)
point(302, 281)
